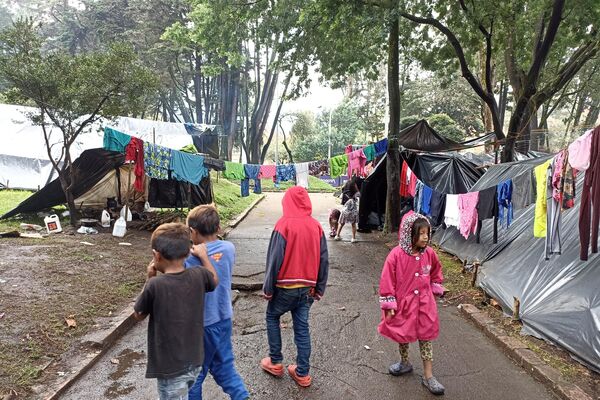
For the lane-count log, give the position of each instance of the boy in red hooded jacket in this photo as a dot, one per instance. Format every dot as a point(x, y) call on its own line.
point(296, 276)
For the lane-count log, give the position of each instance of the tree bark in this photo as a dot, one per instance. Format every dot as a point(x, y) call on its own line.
point(392, 208)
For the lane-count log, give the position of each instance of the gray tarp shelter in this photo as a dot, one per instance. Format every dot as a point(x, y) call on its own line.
point(559, 297)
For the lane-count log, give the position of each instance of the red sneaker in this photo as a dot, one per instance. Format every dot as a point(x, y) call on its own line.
point(274, 369)
point(303, 381)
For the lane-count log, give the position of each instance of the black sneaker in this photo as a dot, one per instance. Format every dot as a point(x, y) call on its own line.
point(433, 385)
point(400, 369)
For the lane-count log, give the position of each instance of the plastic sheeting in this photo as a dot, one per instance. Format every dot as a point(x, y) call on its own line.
point(421, 136)
point(25, 173)
point(559, 297)
point(176, 194)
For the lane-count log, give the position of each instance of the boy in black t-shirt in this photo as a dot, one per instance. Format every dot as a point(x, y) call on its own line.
point(175, 302)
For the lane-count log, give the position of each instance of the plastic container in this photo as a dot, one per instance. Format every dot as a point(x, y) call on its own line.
point(53, 224)
point(105, 220)
point(125, 210)
point(120, 228)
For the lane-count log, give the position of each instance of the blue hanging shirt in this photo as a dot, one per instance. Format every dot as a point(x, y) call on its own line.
point(504, 191)
point(286, 172)
point(157, 161)
point(381, 147)
point(425, 200)
point(188, 167)
point(115, 140)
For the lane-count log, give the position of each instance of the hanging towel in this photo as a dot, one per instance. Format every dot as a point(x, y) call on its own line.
point(523, 190)
point(302, 175)
point(157, 161)
point(357, 162)
point(188, 167)
point(369, 152)
point(381, 147)
point(286, 172)
point(467, 209)
point(451, 214)
point(404, 176)
point(267, 171)
point(580, 151)
point(504, 191)
point(318, 168)
point(251, 171)
point(115, 140)
point(425, 200)
point(412, 182)
point(234, 171)
point(135, 152)
point(338, 165)
point(540, 218)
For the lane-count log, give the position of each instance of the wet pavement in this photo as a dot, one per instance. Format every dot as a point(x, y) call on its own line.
point(349, 359)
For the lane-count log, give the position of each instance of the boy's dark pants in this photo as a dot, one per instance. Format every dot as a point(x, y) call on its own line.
point(298, 302)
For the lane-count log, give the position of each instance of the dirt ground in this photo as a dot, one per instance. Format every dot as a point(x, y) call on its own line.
point(44, 283)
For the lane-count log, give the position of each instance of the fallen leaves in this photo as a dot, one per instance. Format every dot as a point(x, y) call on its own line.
point(70, 320)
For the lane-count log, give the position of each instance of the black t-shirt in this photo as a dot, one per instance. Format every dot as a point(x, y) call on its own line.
point(175, 303)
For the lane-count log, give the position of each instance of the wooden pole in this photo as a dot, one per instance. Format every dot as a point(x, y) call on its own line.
point(475, 272)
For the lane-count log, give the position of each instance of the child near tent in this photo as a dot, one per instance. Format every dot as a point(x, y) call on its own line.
point(334, 218)
point(174, 300)
point(204, 223)
point(349, 216)
point(411, 276)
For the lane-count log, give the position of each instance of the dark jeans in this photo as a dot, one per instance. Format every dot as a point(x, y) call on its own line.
point(218, 360)
point(298, 302)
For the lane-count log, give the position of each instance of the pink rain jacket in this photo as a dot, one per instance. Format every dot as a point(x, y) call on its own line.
point(405, 287)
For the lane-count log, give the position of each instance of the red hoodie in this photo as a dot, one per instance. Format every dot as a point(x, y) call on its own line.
point(297, 252)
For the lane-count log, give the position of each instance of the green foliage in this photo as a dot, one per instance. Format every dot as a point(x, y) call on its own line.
point(408, 121)
point(446, 127)
point(313, 141)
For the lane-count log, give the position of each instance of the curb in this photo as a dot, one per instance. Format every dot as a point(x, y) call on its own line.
point(243, 215)
point(99, 342)
point(522, 355)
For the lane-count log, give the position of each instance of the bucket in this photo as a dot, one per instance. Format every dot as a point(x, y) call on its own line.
point(53, 224)
point(120, 228)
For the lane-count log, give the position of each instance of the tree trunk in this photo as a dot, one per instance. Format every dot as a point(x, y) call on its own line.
point(392, 208)
point(592, 116)
point(198, 88)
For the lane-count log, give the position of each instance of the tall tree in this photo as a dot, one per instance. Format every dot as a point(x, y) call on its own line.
point(71, 92)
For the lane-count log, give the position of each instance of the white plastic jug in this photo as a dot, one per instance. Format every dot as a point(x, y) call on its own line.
point(53, 224)
point(105, 220)
point(120, 228)
point(125, 210)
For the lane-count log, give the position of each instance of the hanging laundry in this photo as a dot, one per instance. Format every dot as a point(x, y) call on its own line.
point(115, 140)
point(467, 210)
point(438, 208)
point(487, 207)
point(251, 171)
point(356, 163)
point(523, 190)
point(553, 208)
point(412, 182)
point(418, 196)
point(540, 218)
point(338, 165)
point(370, 152)
point(381, 147)
point(135, 152)
point(188, 167)
point(318, 168)
point(504, 191)
point(590, 200)
point(302, 174)
point(580, 151)
point(451, 214)
point(404, 179)
point(425, 200)
point(568, 200)
point(286, 172)
point(234, 171)
point(267, 171)
point(157, 161)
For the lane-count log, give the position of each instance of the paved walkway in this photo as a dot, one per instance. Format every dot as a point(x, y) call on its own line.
point(343, 323)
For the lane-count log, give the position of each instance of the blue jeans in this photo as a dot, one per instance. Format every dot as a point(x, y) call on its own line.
point(218, 360)
point(245, 187)
point(298, 301)
point(177, 388)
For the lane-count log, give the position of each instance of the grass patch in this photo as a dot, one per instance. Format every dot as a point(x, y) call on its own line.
point(455, 280)
point(9, 199)
point(229, 200)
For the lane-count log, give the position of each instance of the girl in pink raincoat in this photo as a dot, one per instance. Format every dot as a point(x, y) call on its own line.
point(411, 275)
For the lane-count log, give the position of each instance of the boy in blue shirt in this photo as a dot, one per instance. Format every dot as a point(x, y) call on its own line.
point(218, 310)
